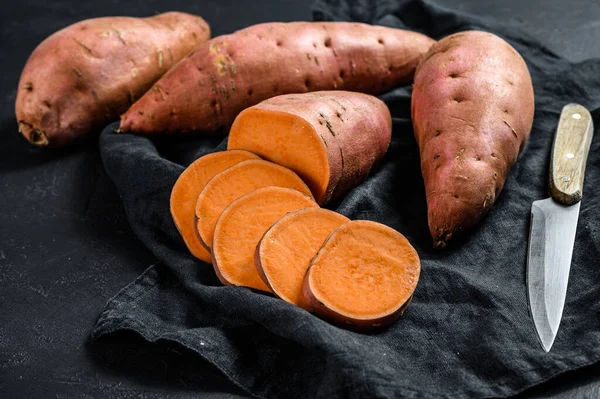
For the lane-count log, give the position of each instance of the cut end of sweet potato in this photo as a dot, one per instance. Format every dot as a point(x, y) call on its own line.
point(331, 139)
point(34, 136)
point(234, 182)
point(188, 187)
point(284, 253)
point(287, 140)
point(363, 277)
point(240, 227)
point(441, 244)
point(440, 237)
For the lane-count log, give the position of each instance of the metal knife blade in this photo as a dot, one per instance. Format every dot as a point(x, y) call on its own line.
point(552, 236)
point(554, 223)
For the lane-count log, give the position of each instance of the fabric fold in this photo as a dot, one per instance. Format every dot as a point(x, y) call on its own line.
point(467, 332)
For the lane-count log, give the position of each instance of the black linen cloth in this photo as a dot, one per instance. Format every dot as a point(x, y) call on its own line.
point(467, 332)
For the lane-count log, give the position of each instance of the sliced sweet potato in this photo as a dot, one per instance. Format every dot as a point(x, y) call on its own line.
point(207, 90)
point(187, 188)
point(240, 227)
point(232, 183)
point(332, 139)
point(284, 253)
point(363, 276)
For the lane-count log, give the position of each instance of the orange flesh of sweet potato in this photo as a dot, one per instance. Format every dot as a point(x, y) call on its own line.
point(207, 90)
point(234, 182)
point(284, 253)
point(331, 139)
point(240, 227)
point(363, 276)
point(89, 73)
point(472, 111)
point(187, 188)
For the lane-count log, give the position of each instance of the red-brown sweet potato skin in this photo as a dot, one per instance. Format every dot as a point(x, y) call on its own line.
point(356, 130)
point(89, 73)
point(207, 90)
point(472, 111)
point(315, 306)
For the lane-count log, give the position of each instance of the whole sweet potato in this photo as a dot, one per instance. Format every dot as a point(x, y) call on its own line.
point(472, 111)
point(230, 73)
point(89, 73)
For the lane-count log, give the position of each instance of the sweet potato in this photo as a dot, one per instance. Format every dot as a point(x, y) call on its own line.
point(472, 111)
point(363, 277)
point(284, 253)
point(188, 187)
point(89, 73)
point(240, 227)
point(207, 90)
point(234, 182)
point(332, 139)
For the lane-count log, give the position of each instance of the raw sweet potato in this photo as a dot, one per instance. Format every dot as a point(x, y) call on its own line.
point(332, 139)
point(472, 111)
point(240, 227)
point(284, 253)
point(363, 276)
point(232, 183)
point(207, 90)
point(188, 187)
point(89, 73)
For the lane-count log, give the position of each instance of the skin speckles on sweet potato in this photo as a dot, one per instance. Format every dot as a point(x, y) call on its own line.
point(472, 111)
point(331, 139)
point(85, 75)
point(267, 60)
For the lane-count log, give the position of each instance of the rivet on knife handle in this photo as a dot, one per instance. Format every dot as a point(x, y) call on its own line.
point(569, 154)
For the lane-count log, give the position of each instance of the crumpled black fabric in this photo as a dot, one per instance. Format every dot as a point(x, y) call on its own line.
point(467, 333)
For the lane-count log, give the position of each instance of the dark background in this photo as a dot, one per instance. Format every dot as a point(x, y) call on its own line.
point(66, 247)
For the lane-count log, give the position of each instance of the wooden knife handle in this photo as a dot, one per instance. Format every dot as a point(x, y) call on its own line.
point(569, 153)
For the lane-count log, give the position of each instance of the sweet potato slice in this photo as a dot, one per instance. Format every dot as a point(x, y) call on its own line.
point(222, 77)
point(240, 227)
point(187, 188)
point(232, 183)
point(332, 139)
point(87, 74)
point(284, 253)
point(363, 276)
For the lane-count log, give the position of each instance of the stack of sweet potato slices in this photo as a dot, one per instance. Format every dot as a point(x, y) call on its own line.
point(255, 210)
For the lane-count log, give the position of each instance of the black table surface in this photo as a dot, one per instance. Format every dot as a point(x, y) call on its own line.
point(66, 247)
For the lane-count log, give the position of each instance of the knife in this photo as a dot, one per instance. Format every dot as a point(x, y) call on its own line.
point(554, 223)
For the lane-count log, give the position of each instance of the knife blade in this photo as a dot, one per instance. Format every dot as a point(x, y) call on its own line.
point(554, 223)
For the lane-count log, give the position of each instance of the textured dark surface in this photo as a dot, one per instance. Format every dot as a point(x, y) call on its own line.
point(66, 246)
